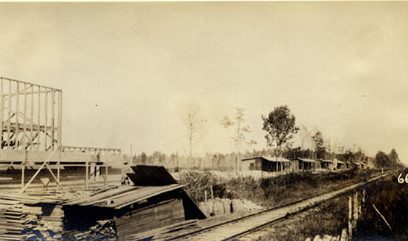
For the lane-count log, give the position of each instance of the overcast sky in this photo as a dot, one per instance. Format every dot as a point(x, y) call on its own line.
point(126, 70)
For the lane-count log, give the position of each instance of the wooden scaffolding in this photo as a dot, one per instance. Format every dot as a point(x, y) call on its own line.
point(31, 133)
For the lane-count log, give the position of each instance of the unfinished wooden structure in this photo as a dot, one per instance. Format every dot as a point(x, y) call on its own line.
point(155, 200)
point(267, 164)
point(31, 150)
point(31, 116)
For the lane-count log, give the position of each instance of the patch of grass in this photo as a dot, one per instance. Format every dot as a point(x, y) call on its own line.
point(328, 219)
point(275, 191)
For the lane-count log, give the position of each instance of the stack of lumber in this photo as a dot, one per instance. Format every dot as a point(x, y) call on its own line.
point(50, 225)
point(23, 218)
point(103, 230)
point(163, 233)
point(12, 220)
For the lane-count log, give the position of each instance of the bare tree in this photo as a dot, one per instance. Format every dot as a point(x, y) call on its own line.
point(240, 128)
point(194, 123)
point(304, 136)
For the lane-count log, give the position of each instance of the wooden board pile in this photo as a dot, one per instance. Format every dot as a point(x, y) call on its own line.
point(22, 221)
point(48, 225)
point(12, 220)
point(103, 230)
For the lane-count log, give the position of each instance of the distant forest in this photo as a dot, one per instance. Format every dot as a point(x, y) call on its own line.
point(280, 127)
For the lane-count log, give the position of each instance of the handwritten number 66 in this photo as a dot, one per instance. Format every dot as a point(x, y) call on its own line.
point(402, 180)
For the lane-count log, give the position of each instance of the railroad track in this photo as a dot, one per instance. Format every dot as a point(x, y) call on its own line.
point(239, 227)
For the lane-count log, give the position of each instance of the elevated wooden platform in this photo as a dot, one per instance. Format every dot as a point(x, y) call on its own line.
point(31, 140)
point(10, 158)
point(88, 165)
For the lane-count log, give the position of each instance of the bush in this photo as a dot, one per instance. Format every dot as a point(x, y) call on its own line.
point(196, 183)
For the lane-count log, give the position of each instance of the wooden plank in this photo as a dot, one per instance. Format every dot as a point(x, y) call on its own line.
point(92, 198)
point(24, 137)
point(156, 216)
point(1, 111)
point(46, 121)
point(9, 119)
point(59, 118)
point(52, 120)
point(145, 193)
point(17, 131)
point(38, 118)
point(32, 119)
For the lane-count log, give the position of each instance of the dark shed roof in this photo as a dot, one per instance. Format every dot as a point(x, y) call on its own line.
point(145, 175)
point(328, 161)
point(270, 159)
point(158, 182)
point(122, 196)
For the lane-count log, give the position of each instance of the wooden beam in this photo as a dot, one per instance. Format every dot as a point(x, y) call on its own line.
point(45, 121)
point(1, 112)
point(39, 118)
point(22, 175)
point(106, 175)
point(52, 120)
point(17, 132)
point(32, 118)
point(33, 177)
point(38, 171)
point(25, 117)
point(19, 81)
point(86, 174)
point(27, 93)
point(59, 118)
point(58, 171)
point(9, 120)
point(52, 174)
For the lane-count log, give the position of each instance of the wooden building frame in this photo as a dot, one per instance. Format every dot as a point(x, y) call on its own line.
point(31, 116)
point(31, 134)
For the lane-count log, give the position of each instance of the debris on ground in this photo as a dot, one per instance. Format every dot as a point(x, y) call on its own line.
point(225, 206)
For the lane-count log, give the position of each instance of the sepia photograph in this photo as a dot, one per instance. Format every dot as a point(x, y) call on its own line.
point(204, 121)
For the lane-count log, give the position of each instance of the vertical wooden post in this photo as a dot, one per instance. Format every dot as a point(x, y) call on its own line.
point(52, 119)
point(205, 195)
point(106, 175)
point(32, 118)
point(17, 130)
point(39, 118)
point(1, 112)
point(59, 117)
point(86, 173)
point(46, 119)
point(25, 134)
point(9, 116)
point(350, 216)
point(59, 170)
point(22, 175)
point(212, 193)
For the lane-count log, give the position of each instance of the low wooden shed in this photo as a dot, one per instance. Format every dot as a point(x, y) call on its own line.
point(327, 164)
point(155, 200)
point(303, 164)
point(340, 165)
point(267, 164)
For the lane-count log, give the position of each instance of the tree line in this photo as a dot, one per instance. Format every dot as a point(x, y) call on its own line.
point(280, 129)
